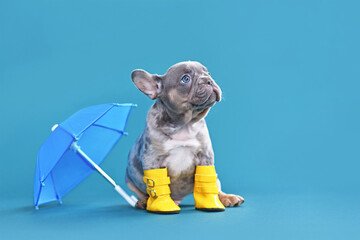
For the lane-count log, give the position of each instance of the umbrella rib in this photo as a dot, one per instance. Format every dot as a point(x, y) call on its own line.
point(93, 123)
point(113, 129)
point(112, 106)
point(43, 178)
point(38, 198)
point(56, 191)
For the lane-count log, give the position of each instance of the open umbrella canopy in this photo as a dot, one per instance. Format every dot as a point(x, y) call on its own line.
point(61, 165)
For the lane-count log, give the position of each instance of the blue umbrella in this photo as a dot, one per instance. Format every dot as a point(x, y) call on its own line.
point(75, 149)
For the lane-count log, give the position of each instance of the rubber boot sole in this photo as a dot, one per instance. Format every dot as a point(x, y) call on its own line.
point(164, 212)
point(210, 209)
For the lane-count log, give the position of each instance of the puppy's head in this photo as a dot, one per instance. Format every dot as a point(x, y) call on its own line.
point(186, 86)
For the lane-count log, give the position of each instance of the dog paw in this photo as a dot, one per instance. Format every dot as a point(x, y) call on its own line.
point(141, 204)
point(231, 200)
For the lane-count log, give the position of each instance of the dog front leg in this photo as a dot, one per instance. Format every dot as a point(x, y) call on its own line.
point(228, 200)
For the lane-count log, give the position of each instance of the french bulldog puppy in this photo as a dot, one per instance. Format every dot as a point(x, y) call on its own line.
point(176, 135)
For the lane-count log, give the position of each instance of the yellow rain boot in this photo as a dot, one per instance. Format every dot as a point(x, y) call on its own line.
point(206, 193)
point(157, 186)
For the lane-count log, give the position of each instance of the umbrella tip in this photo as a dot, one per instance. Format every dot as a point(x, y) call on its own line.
point(36, 208)
point(54, 127)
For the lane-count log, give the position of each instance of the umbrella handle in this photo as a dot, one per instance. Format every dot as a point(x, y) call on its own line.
point(131, 200)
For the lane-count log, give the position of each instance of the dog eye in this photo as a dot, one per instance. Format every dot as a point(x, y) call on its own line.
point(185, 79)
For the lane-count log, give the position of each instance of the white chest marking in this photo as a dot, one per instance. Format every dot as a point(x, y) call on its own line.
point(182, 149)
point(180, 161)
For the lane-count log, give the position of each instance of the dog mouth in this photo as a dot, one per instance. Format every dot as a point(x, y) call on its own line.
point(206, 96)
point(217, 92)
point(204, 106)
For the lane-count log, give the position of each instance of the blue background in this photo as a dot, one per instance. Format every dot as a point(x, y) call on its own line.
point(286, 135)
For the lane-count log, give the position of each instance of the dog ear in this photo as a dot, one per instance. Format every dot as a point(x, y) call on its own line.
point(150, 84)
